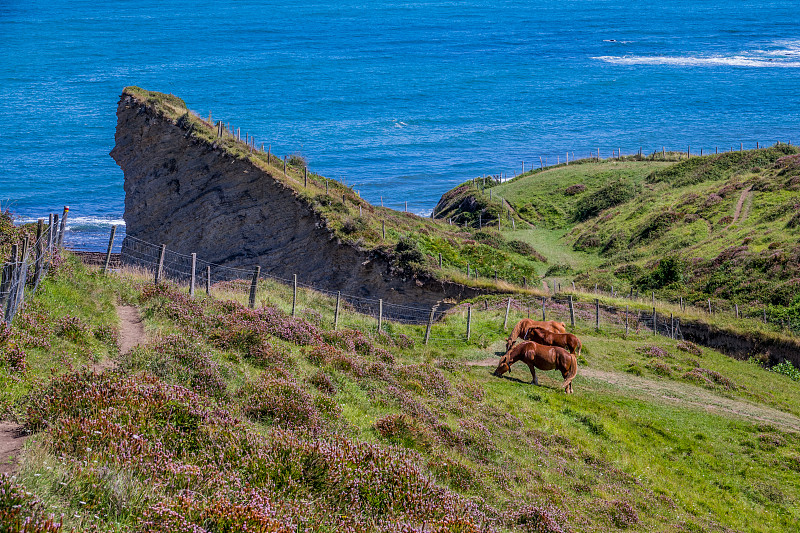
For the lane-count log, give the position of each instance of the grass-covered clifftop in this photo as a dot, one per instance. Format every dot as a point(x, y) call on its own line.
point(411, 242)
point(719, 227)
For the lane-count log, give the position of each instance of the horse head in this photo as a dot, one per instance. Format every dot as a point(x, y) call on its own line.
point(505, 363)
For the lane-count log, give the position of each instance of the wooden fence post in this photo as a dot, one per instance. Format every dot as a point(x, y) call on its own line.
point(284, 166)
point(383, 229)
point(160, 267)
point(626, 320)
point(110, 245)
point(765, 315)
point(430, 324)
point(709, 306)
point(440, 259)
point(380, 314)
point(597, 313)
point(681, 304)
point(37, 265)
point(193, 276)
point(254, 286)
point(524, 283)
point(50, 233)
point(571, 312)
point(305, 176)
point(737, 310)
point(505, 320)
point(294, 295)
point(655, 322)
point(63, 226)
point(469, 321)
point(544, 314)
point(671, 326)
point(55, 233)
point(336, 313)
point(208, 280)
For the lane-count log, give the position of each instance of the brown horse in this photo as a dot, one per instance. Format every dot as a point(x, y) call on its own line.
point(526, 324)
point(568, 341)
point(543, 357)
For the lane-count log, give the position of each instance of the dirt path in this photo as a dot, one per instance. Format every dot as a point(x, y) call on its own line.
point(12, 436)
point(687, 395)
point(681, 394)
point(131, 328)
point(738, 211)
point(11, 440)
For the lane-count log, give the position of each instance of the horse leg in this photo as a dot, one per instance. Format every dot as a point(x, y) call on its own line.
point(533, 373)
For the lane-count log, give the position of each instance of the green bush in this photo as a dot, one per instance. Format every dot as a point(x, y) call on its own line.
point(614, 193)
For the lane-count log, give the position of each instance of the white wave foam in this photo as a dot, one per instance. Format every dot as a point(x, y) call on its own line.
point(93, 222)
point(695, 61)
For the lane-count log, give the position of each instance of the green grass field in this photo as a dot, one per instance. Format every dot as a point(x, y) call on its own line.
point(259, 416)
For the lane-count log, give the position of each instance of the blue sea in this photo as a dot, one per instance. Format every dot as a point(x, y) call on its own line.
point(402, 100)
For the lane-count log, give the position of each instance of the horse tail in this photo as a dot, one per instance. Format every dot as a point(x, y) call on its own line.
point(573, 371)
point(580, 345)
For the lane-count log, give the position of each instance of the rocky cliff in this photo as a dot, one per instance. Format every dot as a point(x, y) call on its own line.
point(195, 196)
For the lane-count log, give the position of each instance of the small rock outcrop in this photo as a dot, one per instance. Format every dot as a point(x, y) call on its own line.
point(194, 196)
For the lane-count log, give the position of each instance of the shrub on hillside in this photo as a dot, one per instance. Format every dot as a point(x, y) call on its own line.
point(614, 193)
point(666, 272)
point(575, 189)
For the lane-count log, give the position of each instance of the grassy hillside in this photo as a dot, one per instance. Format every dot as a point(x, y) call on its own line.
point(719, 227)
point(228, 418)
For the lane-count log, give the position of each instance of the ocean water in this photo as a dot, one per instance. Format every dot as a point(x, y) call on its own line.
point(401, 100)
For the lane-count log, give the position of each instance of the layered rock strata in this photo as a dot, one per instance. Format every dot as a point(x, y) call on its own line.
point(196, 198)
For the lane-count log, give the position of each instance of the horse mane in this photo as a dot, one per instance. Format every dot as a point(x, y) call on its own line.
point(516, 331)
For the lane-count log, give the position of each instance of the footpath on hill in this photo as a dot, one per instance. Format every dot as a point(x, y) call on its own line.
point(666, 391)
point(13, 436)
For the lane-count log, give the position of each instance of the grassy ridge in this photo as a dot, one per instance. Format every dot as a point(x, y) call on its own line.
point(719, 227)
point(280, 423)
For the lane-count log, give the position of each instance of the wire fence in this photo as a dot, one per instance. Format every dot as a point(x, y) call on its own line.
point(29, 263)
point(445, 324)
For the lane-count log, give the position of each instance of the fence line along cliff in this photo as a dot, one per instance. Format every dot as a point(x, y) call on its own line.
point(198, 187)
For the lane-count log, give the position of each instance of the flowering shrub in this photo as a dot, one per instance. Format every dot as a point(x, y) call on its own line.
point(180, 359)
point(21, 512)
point(279, 401)
point(538, 518)
point(709, 378)
point(692, 348)
point(323, 383)
point(652, 351)
point(108, 335)
point(404, 341)
point(10, 352)
point(266, 355)
point(72, 328)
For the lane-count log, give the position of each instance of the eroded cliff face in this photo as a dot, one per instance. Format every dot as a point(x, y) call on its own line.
point(195, 197)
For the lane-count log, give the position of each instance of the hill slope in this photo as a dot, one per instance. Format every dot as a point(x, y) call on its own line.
point(231, 418)
point(719, 227)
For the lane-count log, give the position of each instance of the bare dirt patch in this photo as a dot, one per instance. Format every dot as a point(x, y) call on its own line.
point(12, 438)
point(131, 328)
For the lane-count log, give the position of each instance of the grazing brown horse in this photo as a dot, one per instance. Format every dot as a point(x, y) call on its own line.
point(568, 341)
point(543, 357)
point(526, 324)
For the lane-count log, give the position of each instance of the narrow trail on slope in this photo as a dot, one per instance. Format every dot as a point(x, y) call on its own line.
point(673, 392)
point(747, 193)
point(131, 328)
point(12, 437)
